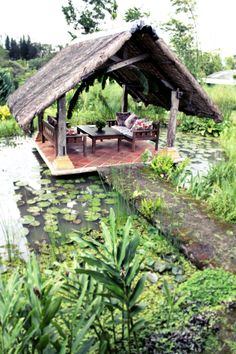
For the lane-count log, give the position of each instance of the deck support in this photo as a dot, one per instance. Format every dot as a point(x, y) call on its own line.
point(62, 161)
point(171, 132)
point(124, 107)
point(40, 126)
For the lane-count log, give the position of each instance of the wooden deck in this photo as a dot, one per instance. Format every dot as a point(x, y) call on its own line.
point(106, 155)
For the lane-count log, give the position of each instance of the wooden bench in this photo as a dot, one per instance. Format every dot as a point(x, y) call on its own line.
point(49, 132)
point(140, 134)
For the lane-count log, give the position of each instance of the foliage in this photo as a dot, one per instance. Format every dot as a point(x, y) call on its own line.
point(146, 156)
point(135, 13)
point(6, 86)
point(186, 315)
point(230, 62)
point(218, 188)
point(115, 264)
point(89, 18)
point(183, 33)
point(25, 49)
point(162, 166)
point(149, 207)
point(4, 113)
point(210, 62)
point(9, 128)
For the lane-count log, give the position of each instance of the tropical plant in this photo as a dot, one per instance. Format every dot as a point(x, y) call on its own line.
point(135, 13)
point(149, 207)
point(116, 266)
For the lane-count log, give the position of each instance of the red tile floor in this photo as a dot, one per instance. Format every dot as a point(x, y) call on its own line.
point(106, 154)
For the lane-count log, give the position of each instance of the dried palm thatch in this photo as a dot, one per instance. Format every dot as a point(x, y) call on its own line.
point(150, 79)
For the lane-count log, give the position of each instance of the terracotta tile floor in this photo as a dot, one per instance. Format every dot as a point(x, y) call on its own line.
point(106, 154)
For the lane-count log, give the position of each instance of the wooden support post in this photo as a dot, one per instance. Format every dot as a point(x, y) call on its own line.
point(172, 120)
point(62, 161)
point(124, 107)
point(61, 126)
point(40, 126)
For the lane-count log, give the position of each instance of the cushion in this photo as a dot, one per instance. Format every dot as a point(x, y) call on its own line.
point(129, 122)
point(123, 130)
point(121, 117)
point(142, 124)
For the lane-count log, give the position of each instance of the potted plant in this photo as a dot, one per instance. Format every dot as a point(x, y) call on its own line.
point(100, 124)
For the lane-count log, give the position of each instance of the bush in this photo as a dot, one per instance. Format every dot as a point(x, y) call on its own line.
point(4, 113)
point(6, 86)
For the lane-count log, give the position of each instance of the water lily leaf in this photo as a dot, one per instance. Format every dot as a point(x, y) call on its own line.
point(54, 210)
point(27, 219)
point(101, 195)
point(110, 201)
point(50, 228)
point(65, 211)
point(44, 204)
point(34, 209)
point(91, 216)
point(32, 201)
point(35, 223)
point(25, 231)
point(45, 181)
point(69, 217)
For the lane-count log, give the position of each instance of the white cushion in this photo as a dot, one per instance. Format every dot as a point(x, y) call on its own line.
point(124, 130)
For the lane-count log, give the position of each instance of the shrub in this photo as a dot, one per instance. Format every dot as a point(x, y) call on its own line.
point(6, 86)
point(4, 113)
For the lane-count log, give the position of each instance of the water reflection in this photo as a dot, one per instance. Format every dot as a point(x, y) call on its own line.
point(24, 178)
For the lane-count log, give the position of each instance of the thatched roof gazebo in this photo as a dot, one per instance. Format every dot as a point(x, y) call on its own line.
point(136, 58)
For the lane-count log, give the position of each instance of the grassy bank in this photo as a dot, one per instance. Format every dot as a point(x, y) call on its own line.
point(218, 188)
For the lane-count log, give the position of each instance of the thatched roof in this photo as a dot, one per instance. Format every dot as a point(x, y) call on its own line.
point(150, 80)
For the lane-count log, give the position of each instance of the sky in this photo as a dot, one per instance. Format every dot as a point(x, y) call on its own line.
point(44, 21)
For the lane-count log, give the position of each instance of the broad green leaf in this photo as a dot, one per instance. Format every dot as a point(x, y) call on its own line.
point(124, 241)
point(137, 291)
point(138, 325)
point(130, 251)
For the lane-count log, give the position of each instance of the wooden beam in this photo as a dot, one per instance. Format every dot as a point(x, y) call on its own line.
point(126, 62)
point(171, 132)
point(40, 126)
point(124, 107)
point(61, 124)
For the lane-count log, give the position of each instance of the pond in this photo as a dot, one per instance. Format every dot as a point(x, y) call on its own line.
point(36, 207)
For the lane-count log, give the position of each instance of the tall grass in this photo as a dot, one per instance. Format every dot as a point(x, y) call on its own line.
point(9, 128)
point(218, 188)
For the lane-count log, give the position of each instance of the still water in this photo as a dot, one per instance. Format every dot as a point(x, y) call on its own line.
point(34, 206)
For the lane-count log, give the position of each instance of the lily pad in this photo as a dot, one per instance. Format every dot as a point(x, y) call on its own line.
point(28, 219)
point(44, 204)
point(54, 210)
point(25, 231)
point(91, 216)
point(69, 217)
point(34, 209)
point(35, 223)
point(45, 181)
point(110, 201)
point(50, 228)
point(32, 201)
point(65, 211)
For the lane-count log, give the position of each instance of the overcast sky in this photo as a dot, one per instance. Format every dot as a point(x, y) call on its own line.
point(44, 22)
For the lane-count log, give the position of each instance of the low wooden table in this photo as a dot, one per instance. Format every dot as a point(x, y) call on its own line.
point(94, 134)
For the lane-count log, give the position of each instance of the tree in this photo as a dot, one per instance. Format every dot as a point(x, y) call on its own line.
point(135, 13)
point(6, 86)
point(230, 62)
point(88, 19)
point(210, 63)
point(7, 43)
point(183, 34)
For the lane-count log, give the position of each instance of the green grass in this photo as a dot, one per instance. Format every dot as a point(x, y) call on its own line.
point(9, 128)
